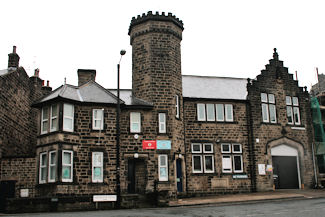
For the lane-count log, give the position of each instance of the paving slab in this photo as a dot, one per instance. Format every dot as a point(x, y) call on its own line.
point(250, 197)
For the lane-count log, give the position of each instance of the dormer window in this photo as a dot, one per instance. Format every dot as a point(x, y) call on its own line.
point(45, 120)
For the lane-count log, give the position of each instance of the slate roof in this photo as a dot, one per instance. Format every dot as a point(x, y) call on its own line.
point(92, 92)
point(88, 92)
point(7, 71)
point(207, 87)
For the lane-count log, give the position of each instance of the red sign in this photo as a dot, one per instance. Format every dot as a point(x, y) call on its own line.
point(149, 144)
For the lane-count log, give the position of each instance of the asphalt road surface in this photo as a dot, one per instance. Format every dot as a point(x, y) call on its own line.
point(287, 208)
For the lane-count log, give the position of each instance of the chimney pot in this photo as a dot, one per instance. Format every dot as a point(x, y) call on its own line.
point(14, 49)
point(36, 73)
point(42, 82)
point(47, 83)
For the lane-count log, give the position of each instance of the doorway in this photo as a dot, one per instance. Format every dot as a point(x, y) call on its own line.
point(136, 176)
point(179, 175)
point(285, 165)
point(7, 189)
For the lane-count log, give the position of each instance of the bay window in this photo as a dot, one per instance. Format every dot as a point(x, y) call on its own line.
point(42, 167)
point(67, 166)
point(52, 166)
point(68, 117)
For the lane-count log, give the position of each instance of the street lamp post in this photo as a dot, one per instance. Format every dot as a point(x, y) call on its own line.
point(118, 184)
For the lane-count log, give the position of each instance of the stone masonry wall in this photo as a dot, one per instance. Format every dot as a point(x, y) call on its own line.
point(21, 170)
point(276, 80)
point(216, 133)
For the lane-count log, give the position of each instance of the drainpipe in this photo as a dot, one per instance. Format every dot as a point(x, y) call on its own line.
point(250, 139)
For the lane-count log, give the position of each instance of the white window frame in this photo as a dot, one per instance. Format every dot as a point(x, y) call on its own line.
point(54, 117)
point(294, 110)
point(67, 165)
point(162, 178)
point(177, 106)
point(229, 147)
point(45, 118)
point(233, 148)
point(210, 144)
point(138, 121)
point(52, 166)
point(230, 155)
point(42, 167)
point(205, 169)
point(199, 144)
point(231, 112)
point(193, 169)
point(210, 110)
point(241, 161)
point(101, 127)
point(226, 169)
point(222, 118)
point(162, 124)
point(268, 106)
point(99, 165)
point(202, 106)
point(65, 116)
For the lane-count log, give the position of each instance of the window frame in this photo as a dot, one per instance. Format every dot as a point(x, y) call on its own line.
point(204, 163)
point(201, 166)
point(44, 131)
point(160, 166)
point(54, 117)
point(101, 127)
point(196, 152)
point(101, 166)
point(203, 147)
point(268, 107)
point(228, 156)
point(65, 116)
point(293, 109)
point(241, 163)
point(67, 165)
point(136, 122)
point(202, 106)
point(162, 123)
point(222, 109)
point(42, 168)
point(52, 166)
point(211, 112)
point(231, 112)
point(177, 106)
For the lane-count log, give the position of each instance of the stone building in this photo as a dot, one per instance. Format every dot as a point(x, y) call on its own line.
point(179, 135)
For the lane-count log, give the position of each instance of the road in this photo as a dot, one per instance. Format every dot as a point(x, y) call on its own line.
point(287, 208)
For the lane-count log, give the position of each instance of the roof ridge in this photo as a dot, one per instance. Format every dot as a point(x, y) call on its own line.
point(202, 76)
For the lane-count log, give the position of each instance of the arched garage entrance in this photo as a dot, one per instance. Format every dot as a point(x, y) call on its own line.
point(286, 170)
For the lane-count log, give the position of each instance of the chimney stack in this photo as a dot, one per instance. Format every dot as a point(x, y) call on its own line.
point(85, 75)
point(13, 60)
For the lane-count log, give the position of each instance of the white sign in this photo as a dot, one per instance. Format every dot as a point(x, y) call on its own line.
point(24, 192)
point(261, 169)
point(104, 198)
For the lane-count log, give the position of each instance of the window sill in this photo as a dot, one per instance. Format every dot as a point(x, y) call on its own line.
point(274, 124)
point(204, 174)
point(56, 132)
point(216, 122)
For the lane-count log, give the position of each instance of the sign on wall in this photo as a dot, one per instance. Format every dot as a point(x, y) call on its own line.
point(149, 144)
point(261, 169)
point(164, 144)
point(104, 198)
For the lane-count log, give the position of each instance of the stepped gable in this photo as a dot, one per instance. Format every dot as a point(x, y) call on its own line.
point(155, 17)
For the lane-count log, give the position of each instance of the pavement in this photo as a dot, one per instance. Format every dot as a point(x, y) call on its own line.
point(251, 197)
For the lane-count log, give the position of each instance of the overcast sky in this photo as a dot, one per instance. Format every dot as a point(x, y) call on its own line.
point(221, 38)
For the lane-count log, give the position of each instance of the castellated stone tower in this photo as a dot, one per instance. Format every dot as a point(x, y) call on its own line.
point(156, 74)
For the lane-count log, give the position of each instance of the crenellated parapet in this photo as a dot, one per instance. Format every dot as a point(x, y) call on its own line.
point(147, 27)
